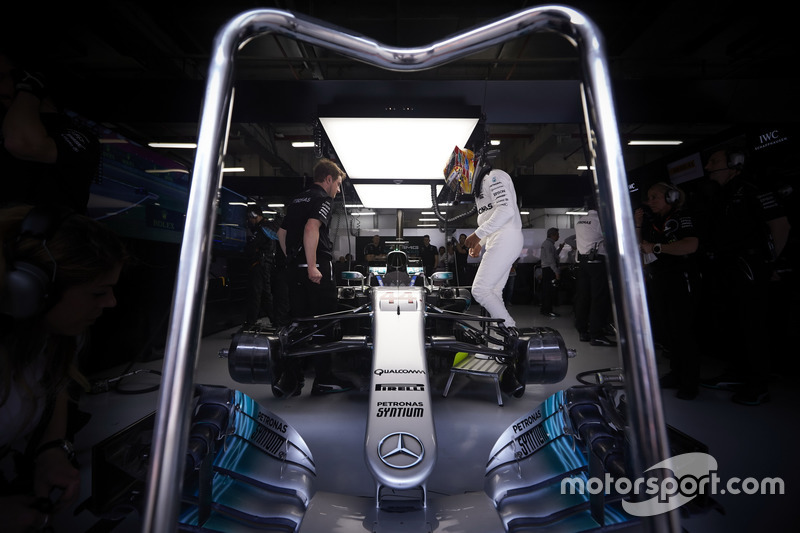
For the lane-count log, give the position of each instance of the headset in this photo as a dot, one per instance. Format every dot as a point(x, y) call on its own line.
point(29, 289)
point(671, 194)
point(736, 160)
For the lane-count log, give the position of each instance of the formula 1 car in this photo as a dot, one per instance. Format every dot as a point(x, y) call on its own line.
point(388, 308)
point(248, 469)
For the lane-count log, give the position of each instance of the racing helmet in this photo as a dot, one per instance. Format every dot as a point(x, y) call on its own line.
point(460, 170)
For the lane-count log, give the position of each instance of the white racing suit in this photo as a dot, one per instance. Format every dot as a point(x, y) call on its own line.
point(500, 231)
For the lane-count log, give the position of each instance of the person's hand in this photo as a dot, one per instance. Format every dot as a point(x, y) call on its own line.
point(475, 251)
point(53, 470)
point(638, 217)
point(20, 516)
point(31, 82)
point(471, 241)
point(314, 274)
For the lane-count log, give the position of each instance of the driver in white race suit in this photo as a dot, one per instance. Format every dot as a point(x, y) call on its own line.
point(499, 230)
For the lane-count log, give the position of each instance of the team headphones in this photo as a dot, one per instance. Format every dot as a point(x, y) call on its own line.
point(671, 195)
point(736, 160)
point(29, 288)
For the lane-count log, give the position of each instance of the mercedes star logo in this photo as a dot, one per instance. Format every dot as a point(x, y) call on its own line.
point(400, 450)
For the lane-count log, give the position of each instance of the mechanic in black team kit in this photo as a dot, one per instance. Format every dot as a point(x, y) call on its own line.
point(304, 239)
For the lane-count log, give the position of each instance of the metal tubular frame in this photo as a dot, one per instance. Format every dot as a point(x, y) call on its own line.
point(646, 419)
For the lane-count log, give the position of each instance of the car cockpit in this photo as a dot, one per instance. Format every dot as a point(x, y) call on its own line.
point(398, 272)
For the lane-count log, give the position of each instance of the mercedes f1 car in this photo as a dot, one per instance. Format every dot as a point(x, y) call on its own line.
point(248, 469)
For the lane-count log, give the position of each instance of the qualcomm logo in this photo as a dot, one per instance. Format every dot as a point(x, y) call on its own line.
point(400, 450)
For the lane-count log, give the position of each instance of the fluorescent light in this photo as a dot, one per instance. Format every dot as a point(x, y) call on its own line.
point(429, 220)
point(233, 169)
point(172, 145)
point(363, 145)
point(275, 205)
point(166, 170)
point(364, 214)
point(432, 213)
point(524, 212)
point(393, 196)
point(584, 167)
point(426, 225)
point(578, 212)
point(654, 143)
point(495, 142)
point(303, 144)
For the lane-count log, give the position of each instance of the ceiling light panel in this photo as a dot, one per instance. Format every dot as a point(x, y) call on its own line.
point(393, 196)
point(371, 148)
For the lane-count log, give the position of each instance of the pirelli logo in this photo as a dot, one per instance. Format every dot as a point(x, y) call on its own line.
point(386, 387)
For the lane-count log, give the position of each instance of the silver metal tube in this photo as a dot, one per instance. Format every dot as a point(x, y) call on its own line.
point(645, 411)
point(648, 431)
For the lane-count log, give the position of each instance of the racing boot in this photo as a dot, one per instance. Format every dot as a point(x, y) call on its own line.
point(325, 381)
point(288, 382)
point(510, 384)
point(283, 385)
point(329, 385)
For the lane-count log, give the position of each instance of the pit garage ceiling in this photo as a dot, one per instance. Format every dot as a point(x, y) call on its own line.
point(686, 70)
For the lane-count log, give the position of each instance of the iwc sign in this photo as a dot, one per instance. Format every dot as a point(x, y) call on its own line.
point(400, 450)
point(769, 138)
